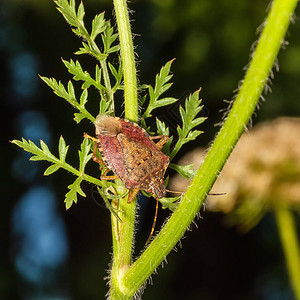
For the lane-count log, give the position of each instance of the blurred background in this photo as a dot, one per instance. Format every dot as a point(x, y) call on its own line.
point(50, 253)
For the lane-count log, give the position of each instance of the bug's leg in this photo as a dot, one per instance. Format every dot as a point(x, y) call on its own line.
point(132, 195)
point(95, 157)
point(110, 177)
point(161, 142)
point(175, 192)
point(90, 137)
point(154, 222)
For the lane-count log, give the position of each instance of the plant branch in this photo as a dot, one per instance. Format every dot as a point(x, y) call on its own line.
point(123, 232)
point(288, 236)
point(128, 61)
point(236, 121)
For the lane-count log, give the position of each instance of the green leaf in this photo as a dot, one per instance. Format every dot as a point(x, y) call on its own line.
point(165, 101)
point(71, 91)
point(51, 169)
point(108, 37)
point(57, 87)
point(104, 107)
point(142, 100)
point(75, 189)
point(45, 148)
point(188, 115)
point(42, 153)
point(78, 117)
point(162, 129)
point(84, 155)
point(118, 75)
point(185, 171)
point(69, 95)
point(83, 50)
point(80, 12)
point(75, 19)
point(189, 121)
point(162, 84)
point(98, 76)
point(76, 69)
point(62, 149)
point(68, 11)
point(114, 49)
point(83, 97)
point(193, 135)
point(169, 202)
point(98, 26)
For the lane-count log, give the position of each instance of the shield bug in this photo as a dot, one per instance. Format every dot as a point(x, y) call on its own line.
point(129, 151)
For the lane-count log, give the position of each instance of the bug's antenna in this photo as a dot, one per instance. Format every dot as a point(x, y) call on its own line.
point(175, 192)
point(154, 222)
point(216, 194)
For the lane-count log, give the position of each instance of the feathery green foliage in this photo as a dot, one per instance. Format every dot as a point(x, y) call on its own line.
point(127, 277)
point(101, 80)
point(43, 153)
point(162, 84)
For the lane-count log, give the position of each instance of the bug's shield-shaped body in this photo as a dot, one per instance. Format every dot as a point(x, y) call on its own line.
point(129, 152)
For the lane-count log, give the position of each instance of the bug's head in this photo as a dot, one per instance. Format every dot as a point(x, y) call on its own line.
point(157, 187)
point(107, 125)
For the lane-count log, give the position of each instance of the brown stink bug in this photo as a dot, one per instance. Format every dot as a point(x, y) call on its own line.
point(129, 151)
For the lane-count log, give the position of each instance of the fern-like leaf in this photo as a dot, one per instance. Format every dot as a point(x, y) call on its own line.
point(74, 189)
point(98, 26)
point(84, 155)
point(69, 95)
point(170, 202)
point(108, 38)
point(162, 129)
point(186, 171)
point(162, 84)
point(76, 69)
point(75, 19)
point(189, 121)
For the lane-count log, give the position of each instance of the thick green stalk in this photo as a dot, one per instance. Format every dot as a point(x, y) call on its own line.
point(123, 232)
point(235, 123)
point(288, 235)
point(128, 61)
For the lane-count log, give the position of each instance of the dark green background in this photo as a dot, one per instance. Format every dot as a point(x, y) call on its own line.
point(211, 42)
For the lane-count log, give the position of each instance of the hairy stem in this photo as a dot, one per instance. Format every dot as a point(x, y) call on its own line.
point(123, 232)
point(236, 121)
point(128, 61)
point(288, 235)
point(107, 84)
point(122, 244)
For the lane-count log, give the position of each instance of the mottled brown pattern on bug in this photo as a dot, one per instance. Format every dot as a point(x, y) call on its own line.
point(130, 153)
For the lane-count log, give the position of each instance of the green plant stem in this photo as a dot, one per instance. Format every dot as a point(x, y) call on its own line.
point(107, 84)
point(102, 63)
point(236, 121)
point(128, 61)
point(122, 243)
point(123, 232)
point(106, 78)
point(289, 241)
